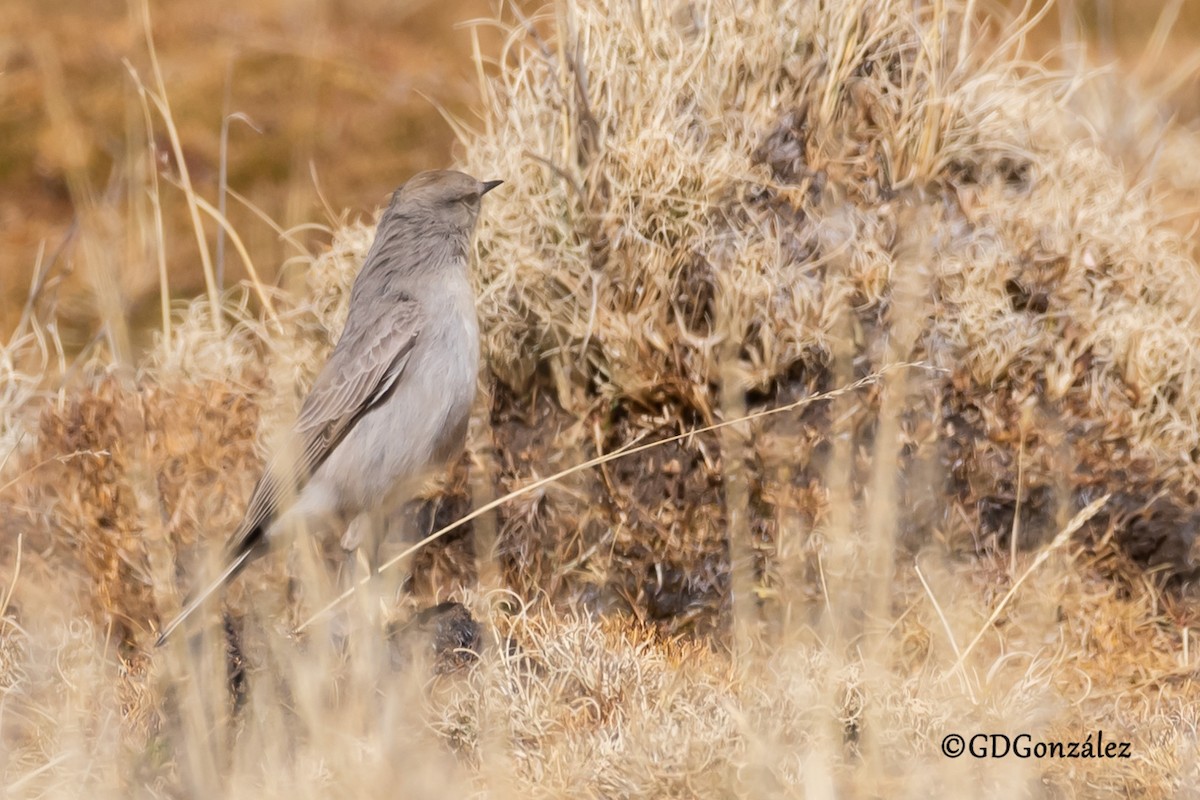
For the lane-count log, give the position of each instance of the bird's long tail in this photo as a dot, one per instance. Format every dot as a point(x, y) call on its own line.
point(232, 569)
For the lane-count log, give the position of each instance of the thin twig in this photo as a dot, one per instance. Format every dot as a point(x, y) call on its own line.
point(223, 175)
point(59, 458)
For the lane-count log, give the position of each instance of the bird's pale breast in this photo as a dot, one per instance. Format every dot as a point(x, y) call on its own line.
point(424, 421)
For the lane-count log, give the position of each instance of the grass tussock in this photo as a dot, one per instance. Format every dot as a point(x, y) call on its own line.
point(979, 521)
point(794, 205)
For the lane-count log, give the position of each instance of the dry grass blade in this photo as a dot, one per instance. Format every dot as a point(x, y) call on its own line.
point(595, 462)
point(946, 627)
point(162, 103)
point(12, 584)
point(255, 281)
point(1084, 515)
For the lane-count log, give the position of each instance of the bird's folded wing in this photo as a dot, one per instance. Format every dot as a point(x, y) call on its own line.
point(368, 360)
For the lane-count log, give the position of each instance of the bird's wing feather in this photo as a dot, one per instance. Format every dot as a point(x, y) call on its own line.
point(369, 358)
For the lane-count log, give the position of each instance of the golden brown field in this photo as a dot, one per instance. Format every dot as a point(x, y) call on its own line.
point(843, 358)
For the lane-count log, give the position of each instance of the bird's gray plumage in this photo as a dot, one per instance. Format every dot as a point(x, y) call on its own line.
point(393, 400)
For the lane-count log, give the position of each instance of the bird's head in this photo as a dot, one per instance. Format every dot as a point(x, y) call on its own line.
point(448, 196)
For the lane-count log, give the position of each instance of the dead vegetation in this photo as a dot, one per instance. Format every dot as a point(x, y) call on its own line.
point(981, 521)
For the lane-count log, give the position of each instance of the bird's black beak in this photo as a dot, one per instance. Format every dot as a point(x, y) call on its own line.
point(488, 186)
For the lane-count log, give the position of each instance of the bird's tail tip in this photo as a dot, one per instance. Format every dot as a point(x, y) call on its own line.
point(195, 603)
point(165, 633)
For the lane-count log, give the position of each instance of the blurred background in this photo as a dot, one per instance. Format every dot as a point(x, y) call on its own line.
point(342, 100)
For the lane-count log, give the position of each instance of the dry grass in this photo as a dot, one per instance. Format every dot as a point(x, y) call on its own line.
point(706, 214)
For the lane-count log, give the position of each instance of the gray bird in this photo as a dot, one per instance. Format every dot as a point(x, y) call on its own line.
point(392, 403)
